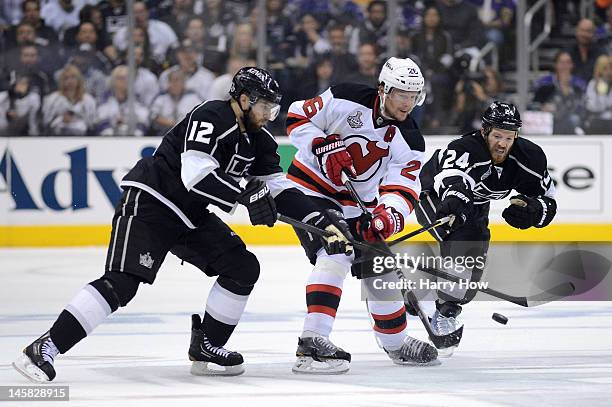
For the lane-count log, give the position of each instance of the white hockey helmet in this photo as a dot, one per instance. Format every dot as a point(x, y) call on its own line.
point(403, 74)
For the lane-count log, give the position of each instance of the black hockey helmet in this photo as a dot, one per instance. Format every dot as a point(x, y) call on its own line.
point(256, 83)
point(502, 115)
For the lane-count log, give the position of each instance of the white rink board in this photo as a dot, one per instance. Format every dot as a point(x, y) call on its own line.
point(50, 167)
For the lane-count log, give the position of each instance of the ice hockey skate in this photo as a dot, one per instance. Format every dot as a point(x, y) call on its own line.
point(445, 322)
point(414, 352)
point(318, 355)
point(209, 360)
point(36, 361)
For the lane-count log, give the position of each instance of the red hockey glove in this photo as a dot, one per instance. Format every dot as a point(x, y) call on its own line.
point(385, 222)
point(333, 158)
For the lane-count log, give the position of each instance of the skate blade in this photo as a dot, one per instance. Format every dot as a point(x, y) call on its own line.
point(29, 370)
point(434, 362)
point(211, 369)
point(307, 365)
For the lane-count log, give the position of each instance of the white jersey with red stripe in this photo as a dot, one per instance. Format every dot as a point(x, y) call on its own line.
point(387, 155)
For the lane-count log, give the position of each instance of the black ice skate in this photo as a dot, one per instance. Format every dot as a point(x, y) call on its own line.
point(414, 353)
point(445, 322)
point(36, 361)
point(211, 360)
point(318, 355)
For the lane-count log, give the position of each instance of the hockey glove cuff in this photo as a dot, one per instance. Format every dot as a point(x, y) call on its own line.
point(385, 222)
point(525, 212)
point(333, 158)
point(455, 203)
point(258, 201)
point(340, 241)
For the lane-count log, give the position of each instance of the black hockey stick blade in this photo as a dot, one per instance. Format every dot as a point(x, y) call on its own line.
point(554, 294)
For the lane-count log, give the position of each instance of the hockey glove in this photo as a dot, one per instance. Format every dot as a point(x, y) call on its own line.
point(333, 158)
point(258, 201)
point(385, 222)
point(525, 212)
point(332, 221)
point(457, 204)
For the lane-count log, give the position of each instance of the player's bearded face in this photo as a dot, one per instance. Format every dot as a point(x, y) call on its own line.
point(262, 112)
point(500, 142)
point(399, 104)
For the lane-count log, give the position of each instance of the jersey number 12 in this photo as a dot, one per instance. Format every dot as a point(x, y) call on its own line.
point(200, 132)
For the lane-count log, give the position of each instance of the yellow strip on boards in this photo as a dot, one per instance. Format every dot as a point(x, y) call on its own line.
point(96, 235)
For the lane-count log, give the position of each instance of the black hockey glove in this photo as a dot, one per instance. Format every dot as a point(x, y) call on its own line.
point(457, 204)
point(260, 204)
point(332, 221)
point(525, 212)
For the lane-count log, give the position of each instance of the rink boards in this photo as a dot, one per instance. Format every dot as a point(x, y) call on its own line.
point(61, 191)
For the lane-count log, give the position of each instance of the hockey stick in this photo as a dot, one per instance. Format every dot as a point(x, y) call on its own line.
point(439, 341)
point(425, 228)
point(560, 291)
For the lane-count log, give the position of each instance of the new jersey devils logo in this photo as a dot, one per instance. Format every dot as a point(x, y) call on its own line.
point(367, 155)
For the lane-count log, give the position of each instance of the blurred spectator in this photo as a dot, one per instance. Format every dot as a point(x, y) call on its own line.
point(279, 40)
point(19, 109)
point(494, 85)
point(85, 45)
point(161, 36)
point(244, 43)
point(114, 13)
point(10, 13)
point(209, 57)
point(317, 79)
point(471, 100)
point(403, 44)
point(461, 20)
point(179, 15)
point(309, 42)
point(171, 106)
point(367, 60)
point(599, 97)
point(69, 111)
point(26, 35)
point(112, 116)
point(497, 16)
point(197, 78)
point(103, 43)
point(219, 89)
point(29, 66)
point(373, 29)
point(61, 15)
point(585, 52)
point(561, 93)
point(45, 35)
point(146, 86)
point(343, 62)
point(433, 47)
point(219, 23)
point(328, 12)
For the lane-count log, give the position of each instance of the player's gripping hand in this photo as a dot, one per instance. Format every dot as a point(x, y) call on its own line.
point(258, 201)
point(385, 222)
point(525, 212)
point(332, 221)
point(457, 204)
point(333, 158)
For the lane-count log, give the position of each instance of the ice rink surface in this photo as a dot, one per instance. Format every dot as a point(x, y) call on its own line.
point(557, 354)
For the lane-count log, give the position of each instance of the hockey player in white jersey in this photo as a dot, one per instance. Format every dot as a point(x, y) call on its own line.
point(367, 134)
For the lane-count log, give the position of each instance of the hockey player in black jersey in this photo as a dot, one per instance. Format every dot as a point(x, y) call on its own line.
point(200, 162)
point(463, 178)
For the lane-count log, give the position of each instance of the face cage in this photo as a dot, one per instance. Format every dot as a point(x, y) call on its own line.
point(274, 111)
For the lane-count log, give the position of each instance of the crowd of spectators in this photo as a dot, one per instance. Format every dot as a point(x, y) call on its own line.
point(63, 63)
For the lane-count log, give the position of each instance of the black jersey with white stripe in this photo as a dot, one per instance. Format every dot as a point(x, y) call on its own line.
point(201, 161)
point(467, 160)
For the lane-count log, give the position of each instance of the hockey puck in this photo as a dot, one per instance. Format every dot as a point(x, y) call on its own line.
point(499, 318)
